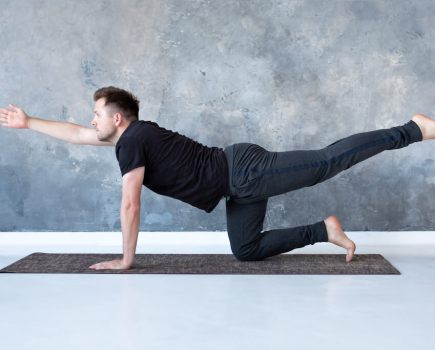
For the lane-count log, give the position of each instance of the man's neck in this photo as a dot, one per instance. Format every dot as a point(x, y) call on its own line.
point(120, 131)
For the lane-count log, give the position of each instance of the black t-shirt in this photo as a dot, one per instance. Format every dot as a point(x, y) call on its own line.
point(175, 165)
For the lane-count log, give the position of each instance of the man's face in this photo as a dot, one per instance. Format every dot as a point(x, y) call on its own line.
point(103, 121)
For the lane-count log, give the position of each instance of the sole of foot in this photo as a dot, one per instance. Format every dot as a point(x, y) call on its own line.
point(337, 236)
point(426, 125)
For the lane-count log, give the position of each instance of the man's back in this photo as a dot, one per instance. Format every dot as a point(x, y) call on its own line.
point(175, 165)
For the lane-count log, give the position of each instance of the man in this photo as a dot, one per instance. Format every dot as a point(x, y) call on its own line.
point(245, 174)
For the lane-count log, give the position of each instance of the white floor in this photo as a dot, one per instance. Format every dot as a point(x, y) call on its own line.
point(70, 311)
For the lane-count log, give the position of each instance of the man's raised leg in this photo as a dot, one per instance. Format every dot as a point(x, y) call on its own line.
point(275, 173)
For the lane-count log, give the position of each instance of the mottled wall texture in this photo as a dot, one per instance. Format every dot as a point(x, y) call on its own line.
point(283, 74)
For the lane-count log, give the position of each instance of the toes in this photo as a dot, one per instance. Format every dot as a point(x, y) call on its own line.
point(350, 251)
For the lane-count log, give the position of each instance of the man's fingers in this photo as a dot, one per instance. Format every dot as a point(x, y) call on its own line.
point(9, 109)
point(4, 111)
point(97, 266)
point(4, 121)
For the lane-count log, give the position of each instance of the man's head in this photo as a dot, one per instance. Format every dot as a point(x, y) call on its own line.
point(114, 108)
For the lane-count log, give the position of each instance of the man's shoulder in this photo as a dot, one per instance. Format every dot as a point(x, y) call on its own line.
point(134, 133)
point(140, 127)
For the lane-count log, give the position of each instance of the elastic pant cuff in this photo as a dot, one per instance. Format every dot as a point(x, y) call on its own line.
point(414, 131)
point(320, 234)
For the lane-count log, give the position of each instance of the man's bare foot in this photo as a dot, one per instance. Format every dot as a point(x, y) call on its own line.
point(337, 236)
point(426, 125)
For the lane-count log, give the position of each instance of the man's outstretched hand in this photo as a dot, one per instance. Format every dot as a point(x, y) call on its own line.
point(13, 117)
point(117, 264)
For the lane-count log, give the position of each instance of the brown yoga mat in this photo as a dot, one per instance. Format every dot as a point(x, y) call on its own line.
point(283, 264)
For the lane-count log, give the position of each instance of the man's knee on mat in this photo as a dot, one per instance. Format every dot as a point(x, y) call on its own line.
point(246, 253)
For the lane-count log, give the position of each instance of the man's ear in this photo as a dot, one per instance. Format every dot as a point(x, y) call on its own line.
point(117, 118)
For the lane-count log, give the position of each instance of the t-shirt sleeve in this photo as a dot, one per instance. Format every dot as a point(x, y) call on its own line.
point(130, 154)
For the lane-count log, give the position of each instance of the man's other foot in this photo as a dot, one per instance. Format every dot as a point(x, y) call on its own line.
point(337, 236)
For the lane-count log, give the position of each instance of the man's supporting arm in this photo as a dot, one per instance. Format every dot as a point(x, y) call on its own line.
point(130, 212)
point(130, 215)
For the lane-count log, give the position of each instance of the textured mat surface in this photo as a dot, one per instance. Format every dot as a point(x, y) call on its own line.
point(284, 264)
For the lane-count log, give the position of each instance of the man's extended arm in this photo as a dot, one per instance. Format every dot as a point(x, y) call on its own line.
point(14, 117)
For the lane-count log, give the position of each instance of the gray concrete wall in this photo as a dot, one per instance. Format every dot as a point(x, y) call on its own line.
point(283, 74)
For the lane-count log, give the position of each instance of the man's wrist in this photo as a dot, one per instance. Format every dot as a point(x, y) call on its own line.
point(128, 260)
point(28, 120)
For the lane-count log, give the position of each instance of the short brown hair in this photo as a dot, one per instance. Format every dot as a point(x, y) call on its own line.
point(124, 100)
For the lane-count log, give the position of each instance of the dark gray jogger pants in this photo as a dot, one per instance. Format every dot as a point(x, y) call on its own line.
point(256, 174)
